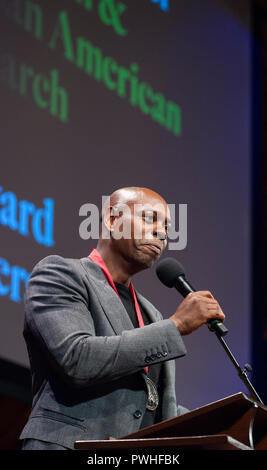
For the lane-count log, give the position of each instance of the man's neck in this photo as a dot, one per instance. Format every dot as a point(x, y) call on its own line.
point(117, 266)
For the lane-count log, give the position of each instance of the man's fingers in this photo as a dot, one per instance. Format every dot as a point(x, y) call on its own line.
point(210, 306)
point(213, 306)
point(214, 309)
point(196, 309)
point(206, 293)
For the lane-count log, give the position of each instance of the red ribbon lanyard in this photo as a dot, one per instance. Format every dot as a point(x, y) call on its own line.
point(97, 258)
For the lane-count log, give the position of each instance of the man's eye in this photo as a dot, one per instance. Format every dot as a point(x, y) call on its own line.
point(148, 217)
point(167, 228)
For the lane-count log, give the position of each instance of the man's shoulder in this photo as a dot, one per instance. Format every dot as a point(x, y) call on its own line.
point(52, 264)
point(61, 261)
point(57, 262)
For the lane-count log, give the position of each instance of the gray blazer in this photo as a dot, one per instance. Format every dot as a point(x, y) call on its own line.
point(83, 350)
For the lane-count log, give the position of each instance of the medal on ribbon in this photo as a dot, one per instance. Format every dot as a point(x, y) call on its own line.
point(153, 396)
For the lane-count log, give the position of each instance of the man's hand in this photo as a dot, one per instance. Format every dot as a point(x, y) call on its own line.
point(196, 309)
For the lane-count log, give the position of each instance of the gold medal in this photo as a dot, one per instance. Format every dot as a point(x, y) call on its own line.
point(153, 396)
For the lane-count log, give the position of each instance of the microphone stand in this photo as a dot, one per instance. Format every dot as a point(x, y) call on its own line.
point(241, 372)
point(214, 325)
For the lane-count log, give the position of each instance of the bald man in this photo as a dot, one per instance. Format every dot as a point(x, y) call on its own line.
point(101, 355)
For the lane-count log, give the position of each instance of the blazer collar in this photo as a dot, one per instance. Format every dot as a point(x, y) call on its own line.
point(109, 300)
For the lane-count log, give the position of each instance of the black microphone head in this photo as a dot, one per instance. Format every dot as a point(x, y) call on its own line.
point(168, 270)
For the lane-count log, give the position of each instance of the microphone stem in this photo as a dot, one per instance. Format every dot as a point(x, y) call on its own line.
point(242, 374)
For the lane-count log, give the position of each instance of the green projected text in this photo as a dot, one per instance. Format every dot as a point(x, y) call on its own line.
point(92, 61)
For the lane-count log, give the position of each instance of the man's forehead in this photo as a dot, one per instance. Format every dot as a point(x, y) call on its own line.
point(150, 198)
point(147, 202)
point(149, 206)
point(137, 196)
point(138, 199)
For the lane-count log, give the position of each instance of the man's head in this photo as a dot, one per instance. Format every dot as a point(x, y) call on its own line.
point(134, 225)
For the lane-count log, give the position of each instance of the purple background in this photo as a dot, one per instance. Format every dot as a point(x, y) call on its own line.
point(197, 55)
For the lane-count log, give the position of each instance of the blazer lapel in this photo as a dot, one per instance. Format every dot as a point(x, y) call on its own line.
point(168, 370)
point(120, 321)
point(151, 313)
point(110, 302)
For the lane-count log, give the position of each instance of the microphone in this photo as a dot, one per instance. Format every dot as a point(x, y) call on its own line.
point(172, 274)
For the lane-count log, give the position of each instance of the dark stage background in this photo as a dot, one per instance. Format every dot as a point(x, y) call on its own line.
point(93, 99)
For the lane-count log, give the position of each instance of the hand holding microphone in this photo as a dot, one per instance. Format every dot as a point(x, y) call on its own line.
point(197, 308)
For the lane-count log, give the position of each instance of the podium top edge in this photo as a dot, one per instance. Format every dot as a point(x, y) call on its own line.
point(239, 400)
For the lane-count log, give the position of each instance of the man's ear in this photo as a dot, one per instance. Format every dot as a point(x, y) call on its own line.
point(109, 217)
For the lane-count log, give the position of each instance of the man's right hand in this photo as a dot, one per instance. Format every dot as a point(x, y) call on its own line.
point(196, 309)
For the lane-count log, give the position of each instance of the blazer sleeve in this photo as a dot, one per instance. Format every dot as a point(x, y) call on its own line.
point(181, 410)
point(58, 319)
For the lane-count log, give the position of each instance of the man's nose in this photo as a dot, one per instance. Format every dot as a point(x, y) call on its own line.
point(160, 234)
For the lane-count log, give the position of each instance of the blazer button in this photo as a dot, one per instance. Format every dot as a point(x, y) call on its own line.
point(148, 359)
point(137, 414)
point(153, 357)
point(165, 353)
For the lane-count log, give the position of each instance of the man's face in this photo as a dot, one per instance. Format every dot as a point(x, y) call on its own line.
point(139, 229)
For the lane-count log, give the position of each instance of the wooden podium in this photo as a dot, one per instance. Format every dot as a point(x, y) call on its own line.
point(233, 423)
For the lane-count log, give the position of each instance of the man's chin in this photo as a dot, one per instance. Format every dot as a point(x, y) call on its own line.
point(149, 262)
point(145, 260)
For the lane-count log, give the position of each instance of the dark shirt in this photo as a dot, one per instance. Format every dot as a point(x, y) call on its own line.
point(154, 371)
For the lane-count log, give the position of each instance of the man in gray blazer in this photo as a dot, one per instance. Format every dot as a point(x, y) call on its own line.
point(97, 370)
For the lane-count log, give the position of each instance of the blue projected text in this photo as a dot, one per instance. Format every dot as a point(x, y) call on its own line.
point(24, 217)
point(163, 4)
